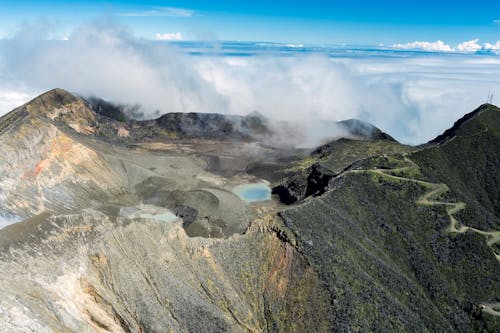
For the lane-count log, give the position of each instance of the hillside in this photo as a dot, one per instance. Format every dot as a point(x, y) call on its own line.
point(136, 225)
point(387, 256)
point(140, 236)
point(393, 230)
point(467, 159)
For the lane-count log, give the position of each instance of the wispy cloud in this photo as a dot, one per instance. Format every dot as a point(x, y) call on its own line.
point(496, 21)
point(161, 11)
point(169, 36)
point(413, 98)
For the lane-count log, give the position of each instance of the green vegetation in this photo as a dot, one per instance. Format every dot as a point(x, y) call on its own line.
point(410, 241)
point(391, 265)
point(469, 163)
point(338, 155)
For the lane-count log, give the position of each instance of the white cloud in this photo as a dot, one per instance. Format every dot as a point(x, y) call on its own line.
point(413, 98)
point(169, 36)
point(469, 46)
point(10, 99)
point(437, 46)
point(495, 47)
point(161, 11)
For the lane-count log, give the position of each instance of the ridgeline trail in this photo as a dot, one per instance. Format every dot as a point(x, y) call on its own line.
point(430, 199)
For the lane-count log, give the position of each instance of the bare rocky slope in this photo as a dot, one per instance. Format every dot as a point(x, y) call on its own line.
point(135, 226)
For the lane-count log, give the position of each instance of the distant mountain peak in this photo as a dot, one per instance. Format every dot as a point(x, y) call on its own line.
point(47, 102)
point(364, 130)
point(460, 123)
point(58, 105)
point(96, 116)
point(111, 110)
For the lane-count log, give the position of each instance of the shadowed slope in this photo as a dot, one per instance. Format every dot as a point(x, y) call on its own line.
point(380, 239)
point(469, 163)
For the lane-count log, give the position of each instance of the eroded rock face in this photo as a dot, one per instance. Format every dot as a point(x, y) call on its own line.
point(60, 106)
point(311, 181)
point(86, 273)
point(45, 169)
point(146, 237)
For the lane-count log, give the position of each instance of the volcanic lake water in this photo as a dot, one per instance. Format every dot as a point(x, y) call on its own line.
point(254, 192)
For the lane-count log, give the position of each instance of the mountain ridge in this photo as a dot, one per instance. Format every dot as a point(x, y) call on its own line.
point(96, 116)
point(452, 131)
point(146, 233)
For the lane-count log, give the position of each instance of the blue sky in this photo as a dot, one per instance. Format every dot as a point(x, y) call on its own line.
point(361, 22)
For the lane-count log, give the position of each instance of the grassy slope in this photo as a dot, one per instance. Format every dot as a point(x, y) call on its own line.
point(386, 254)
point(469, 164)
point(389, 263)
point(338, 155)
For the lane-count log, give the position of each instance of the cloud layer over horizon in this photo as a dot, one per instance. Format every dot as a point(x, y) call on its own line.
point(469, 46)
point(412, 97)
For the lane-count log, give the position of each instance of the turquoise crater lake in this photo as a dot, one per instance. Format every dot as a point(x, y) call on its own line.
point(254, 192)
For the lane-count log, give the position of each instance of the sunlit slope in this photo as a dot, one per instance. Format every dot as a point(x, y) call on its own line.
point(91, 254)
